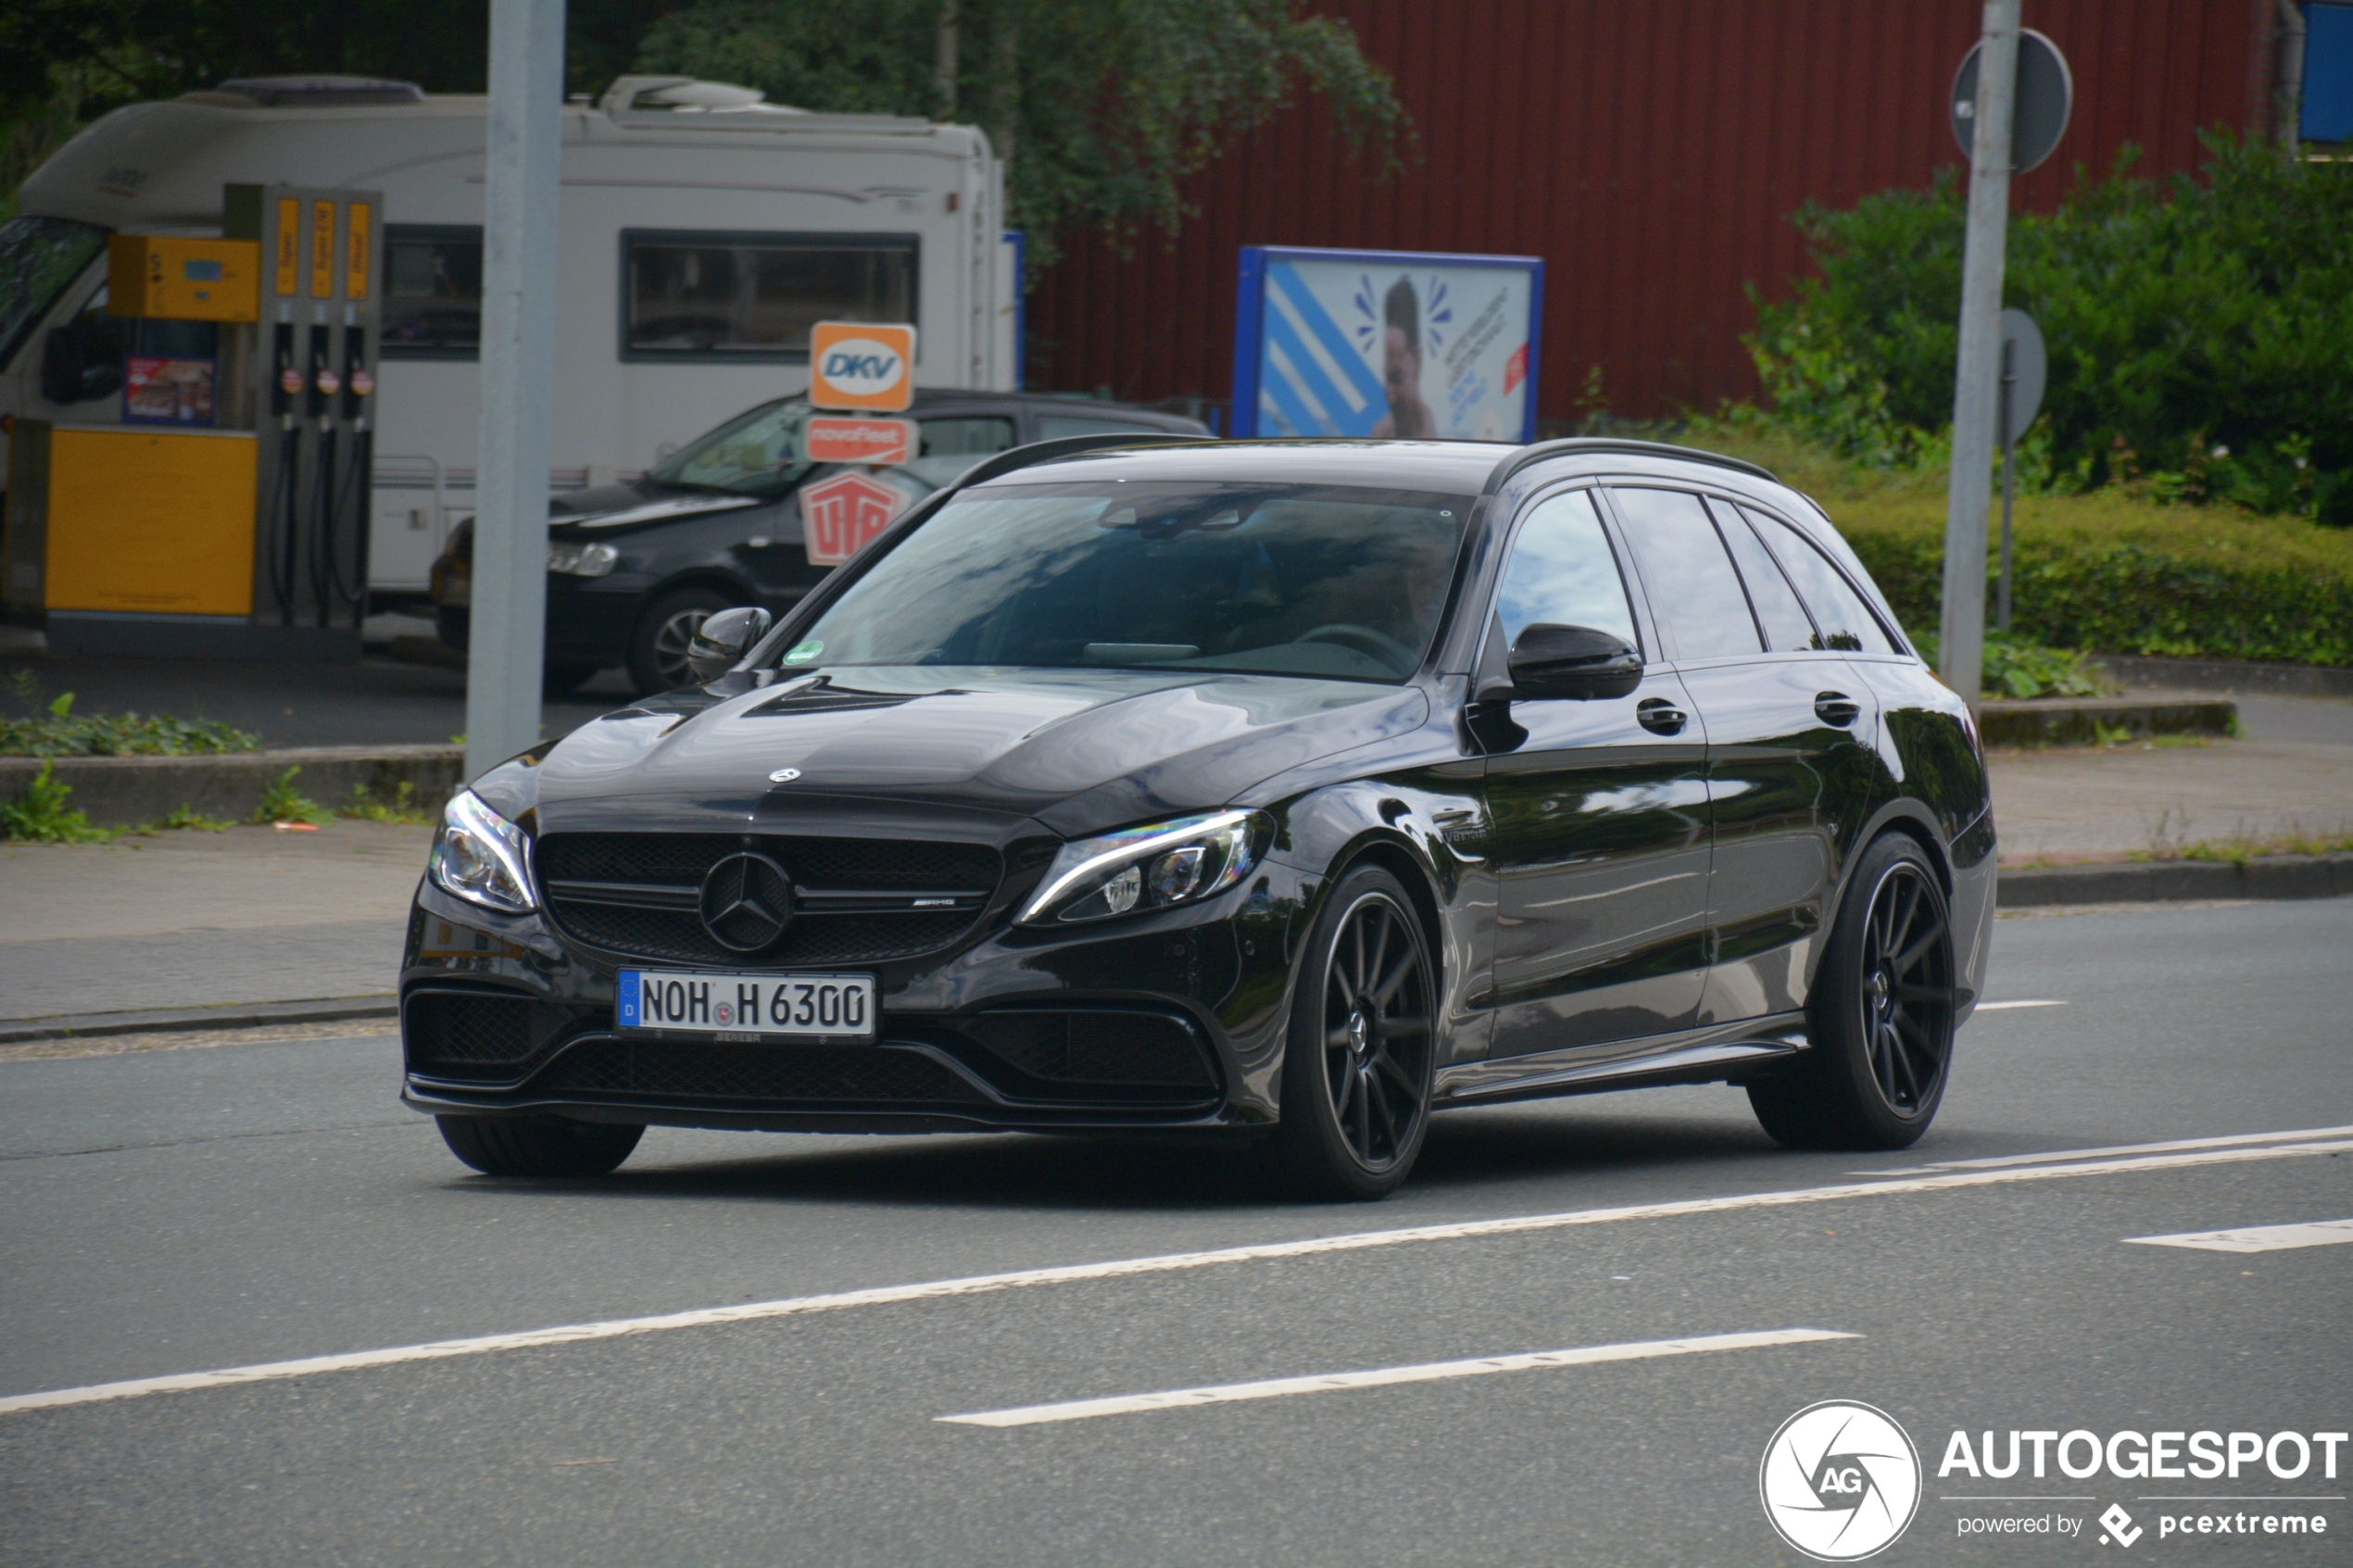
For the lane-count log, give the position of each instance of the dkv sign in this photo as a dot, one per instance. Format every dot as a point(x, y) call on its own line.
point(861, 365)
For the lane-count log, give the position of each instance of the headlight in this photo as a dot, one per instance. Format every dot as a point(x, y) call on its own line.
point(575, 559)
point(1148, 868)
point(482, 857)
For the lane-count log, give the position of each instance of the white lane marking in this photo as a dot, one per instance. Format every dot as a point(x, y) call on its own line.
point(2257, 1238)
point(2002, 1006)
point(1429, 1372)
point(748, 1311)
point(2000, 1160)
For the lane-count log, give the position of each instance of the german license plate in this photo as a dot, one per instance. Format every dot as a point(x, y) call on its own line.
point(779, 1005)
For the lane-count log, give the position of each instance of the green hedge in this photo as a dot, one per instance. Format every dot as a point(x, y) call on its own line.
point(2108, 572)
point(2127, 597)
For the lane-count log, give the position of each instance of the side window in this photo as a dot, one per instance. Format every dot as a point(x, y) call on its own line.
point(968, 436)
point(1786, 626)
point(432, 292)
point(1562, 574)
point(1846, 622)
point(1052, 426)
point(751, 297)
point(1692, 587)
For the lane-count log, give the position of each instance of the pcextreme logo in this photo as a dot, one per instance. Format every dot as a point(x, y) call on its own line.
point(1840, 1481)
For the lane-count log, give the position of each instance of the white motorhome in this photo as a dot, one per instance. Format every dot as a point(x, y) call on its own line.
point(703, 232)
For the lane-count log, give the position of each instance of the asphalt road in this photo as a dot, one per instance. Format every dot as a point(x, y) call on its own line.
point(221, 1208)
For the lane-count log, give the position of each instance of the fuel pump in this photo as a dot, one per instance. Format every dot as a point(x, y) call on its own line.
point(324, 248)
point(224, 513)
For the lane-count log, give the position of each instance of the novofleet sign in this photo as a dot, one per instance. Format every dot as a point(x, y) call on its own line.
point(862, 366)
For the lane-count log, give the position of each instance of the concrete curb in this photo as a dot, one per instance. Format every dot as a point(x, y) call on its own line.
point(2078, 720)
point(2266, 876)
point(245, 1015)
point(127, 791)
point(2225, 675)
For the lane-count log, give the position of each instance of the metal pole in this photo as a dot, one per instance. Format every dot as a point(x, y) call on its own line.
point(1961, 634)
point(506, 643)
point(2009, 478)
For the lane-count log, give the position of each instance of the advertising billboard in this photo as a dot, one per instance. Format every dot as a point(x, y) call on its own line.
point(1386, 343)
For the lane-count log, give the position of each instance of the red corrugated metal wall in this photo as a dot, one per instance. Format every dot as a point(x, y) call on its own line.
point(1650, 151)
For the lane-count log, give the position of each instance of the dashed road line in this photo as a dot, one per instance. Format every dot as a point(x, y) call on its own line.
point(2257, 1238)
point(1999, 1162)
point(751, 1311)
point(1429, 1372)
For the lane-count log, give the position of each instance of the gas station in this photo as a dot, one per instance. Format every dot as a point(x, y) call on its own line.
point(227, 516)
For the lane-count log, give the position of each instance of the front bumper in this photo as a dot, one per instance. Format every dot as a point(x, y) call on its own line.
point(1173, 1020)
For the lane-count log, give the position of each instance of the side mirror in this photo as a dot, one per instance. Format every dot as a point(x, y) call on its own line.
point(721, 642)
point(1577, 662)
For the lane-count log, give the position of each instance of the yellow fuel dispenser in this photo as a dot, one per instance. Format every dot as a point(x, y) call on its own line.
point(226, 516)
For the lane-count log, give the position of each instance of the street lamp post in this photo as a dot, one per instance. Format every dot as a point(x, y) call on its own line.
point(506, 641)
point(1961, 634)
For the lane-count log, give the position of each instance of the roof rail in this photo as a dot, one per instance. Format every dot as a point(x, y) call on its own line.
point(1065, 446)
point(1575, 445)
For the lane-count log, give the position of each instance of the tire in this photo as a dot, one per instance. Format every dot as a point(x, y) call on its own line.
point(1362, 1051)
point(562, 679)
point(538, 1145)
point(1881, 1015)
point(658, 646)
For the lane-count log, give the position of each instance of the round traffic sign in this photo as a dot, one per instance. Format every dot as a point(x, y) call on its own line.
point(2045, 97)
point(2025, 367)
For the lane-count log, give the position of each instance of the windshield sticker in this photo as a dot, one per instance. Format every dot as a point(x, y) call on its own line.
point(805, 653)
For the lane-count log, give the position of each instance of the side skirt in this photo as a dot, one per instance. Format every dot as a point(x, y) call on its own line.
point(1693, 1055)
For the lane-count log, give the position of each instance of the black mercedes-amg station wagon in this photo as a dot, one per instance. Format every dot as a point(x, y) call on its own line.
point(1298, 789)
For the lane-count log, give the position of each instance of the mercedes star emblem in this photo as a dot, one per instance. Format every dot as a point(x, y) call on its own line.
point(783, 775)
point(746, 902)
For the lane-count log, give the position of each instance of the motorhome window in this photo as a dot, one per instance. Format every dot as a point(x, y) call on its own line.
point(751, 297)
point(38, 257)
point(432, 292)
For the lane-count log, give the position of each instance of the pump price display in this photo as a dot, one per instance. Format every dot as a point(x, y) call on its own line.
point(748, 1005)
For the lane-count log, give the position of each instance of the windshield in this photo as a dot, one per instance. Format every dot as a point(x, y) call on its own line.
point(754, 454)
point(1329, 581)
point(38, 257)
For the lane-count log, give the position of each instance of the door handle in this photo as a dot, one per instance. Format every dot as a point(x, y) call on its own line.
point(1659, 716)
point(1836, 707)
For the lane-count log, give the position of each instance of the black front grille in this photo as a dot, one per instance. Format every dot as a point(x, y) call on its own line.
point(694, 1070)
point(856, 898)
point(1083, 1047)
point(483, 1036)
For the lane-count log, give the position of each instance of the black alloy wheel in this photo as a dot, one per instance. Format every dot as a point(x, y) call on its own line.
point(1881, 1015)
point(538, 1145)
point(1356, 1074)
point(666, 633)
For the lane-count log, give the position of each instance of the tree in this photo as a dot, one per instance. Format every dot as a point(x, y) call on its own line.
point(1101, 108)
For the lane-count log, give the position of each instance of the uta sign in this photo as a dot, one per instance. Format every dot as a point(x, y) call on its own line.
point(837, 515)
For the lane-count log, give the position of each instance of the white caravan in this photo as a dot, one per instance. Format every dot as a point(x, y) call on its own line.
point(703, 232)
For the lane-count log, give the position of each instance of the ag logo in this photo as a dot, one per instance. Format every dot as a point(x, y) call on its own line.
point(861, 365)
point(1841, 1481)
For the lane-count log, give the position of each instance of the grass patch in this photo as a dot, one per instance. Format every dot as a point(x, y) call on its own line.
point(2111, 568)
point(53, 729)
point(2239, 851)
point(42, 816)
point(281, 802)
point(401, 811)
